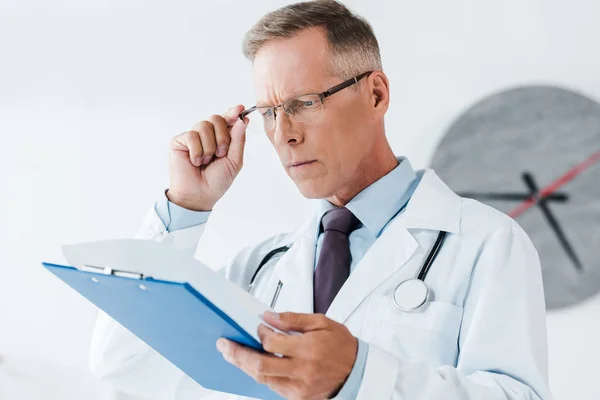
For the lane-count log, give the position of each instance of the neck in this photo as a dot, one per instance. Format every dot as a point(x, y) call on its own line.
point(368, 171)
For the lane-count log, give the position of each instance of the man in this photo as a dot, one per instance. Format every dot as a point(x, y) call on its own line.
point(322, 97)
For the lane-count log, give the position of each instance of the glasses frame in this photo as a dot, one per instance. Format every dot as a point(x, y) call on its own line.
point(322, 96)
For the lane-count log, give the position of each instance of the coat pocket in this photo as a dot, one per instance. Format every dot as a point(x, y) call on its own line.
point(428, 334)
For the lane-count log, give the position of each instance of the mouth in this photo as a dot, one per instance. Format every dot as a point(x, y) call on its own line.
point(301, 163)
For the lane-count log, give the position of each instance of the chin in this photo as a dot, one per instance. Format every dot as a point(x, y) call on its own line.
point(312, 189)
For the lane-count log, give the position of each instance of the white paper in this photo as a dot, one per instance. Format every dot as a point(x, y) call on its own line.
point(161, 261)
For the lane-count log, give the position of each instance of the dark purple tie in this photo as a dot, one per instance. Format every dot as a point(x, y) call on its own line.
point(333, 267)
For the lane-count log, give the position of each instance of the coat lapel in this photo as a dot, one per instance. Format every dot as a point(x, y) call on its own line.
point(295, 270)
point(394, 248)
point(433, 206)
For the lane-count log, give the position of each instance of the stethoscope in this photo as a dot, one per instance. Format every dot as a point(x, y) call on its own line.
point(412, 293)
point(409, 295)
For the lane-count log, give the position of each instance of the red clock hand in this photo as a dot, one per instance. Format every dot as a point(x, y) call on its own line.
point(554, 186)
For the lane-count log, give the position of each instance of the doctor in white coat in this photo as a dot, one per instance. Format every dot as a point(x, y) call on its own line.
point(322, 97)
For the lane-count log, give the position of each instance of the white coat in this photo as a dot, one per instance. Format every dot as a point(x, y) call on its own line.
point(481, 336)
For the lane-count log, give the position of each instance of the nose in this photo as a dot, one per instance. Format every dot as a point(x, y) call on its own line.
point(285, 132)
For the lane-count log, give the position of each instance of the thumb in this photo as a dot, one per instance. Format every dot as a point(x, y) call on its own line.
point(296, 322)
point(238, 142)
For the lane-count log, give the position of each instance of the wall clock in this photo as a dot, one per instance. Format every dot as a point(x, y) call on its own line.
point(534, 153)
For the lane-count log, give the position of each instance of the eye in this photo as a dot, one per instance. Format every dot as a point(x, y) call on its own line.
point(299, 105)
point(308, 102)
point(267, 112)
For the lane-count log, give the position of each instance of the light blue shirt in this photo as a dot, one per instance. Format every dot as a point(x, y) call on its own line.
point(376, 206)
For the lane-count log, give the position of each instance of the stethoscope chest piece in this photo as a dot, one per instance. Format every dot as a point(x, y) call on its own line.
point(410, 294)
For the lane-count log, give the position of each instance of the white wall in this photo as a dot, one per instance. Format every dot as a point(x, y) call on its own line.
point(91, 93)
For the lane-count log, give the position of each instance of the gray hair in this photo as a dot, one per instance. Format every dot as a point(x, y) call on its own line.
point(350, 37)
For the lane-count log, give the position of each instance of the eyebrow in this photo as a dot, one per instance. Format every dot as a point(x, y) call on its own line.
point(260, 105)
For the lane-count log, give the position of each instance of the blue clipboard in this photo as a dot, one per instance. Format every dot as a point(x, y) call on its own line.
point(175, 320)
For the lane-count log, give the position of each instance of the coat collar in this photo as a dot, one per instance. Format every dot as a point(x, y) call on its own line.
point(433, 205)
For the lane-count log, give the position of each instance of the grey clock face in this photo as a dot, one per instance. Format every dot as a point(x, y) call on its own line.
point(534, 153)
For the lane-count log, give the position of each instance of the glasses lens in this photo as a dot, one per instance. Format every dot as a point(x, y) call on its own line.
point(261, 120)
point(305, 108)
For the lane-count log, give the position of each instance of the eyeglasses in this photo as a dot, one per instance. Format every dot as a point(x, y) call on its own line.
point(303, 108)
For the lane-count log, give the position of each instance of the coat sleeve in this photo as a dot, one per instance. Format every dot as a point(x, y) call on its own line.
point(120, 359)
point(502, 342)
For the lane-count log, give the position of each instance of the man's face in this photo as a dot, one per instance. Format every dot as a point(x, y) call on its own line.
point(337, 142)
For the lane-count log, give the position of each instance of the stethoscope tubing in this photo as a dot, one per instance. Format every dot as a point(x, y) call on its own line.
point(432, 255)
point(421, 276)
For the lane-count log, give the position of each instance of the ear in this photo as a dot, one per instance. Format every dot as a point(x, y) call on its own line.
point(380, 92)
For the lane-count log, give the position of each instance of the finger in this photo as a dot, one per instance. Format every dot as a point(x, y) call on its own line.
point(222, 136)
point(232, 114)
point(252, 362)
point(237, 134)
point(190, 142)
point(209, 142)
point(276, 343)
point(296, 322)
point(206, 133)
point(237, 144)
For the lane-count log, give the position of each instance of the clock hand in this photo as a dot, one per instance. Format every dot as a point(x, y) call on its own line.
point(560, 197)
point(530, 182)
point(554, 186)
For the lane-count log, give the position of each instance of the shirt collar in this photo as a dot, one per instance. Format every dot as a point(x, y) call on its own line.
point(378, 203)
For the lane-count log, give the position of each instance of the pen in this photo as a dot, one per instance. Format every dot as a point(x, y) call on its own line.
point(276, 295)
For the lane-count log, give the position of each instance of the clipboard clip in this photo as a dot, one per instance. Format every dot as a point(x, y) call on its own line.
point(109, 271)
